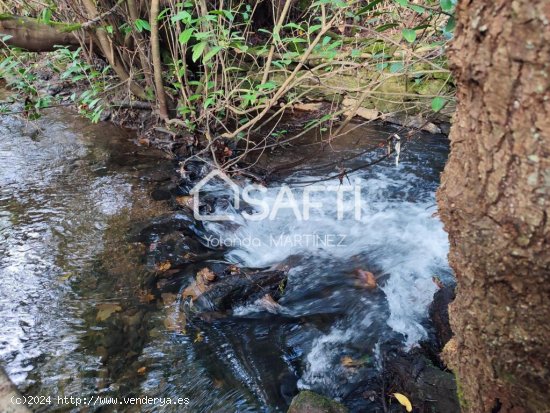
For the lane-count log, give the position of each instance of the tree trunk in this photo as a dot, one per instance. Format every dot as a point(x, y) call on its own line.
point(34, 36)
point(494, 201)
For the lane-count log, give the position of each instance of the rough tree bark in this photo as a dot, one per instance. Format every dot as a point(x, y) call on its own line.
point(495, 200)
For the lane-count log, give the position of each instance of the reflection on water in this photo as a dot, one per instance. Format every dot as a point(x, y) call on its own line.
point(76, 319)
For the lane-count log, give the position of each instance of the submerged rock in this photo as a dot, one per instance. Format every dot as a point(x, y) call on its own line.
point(239, 288)
point(309, 402)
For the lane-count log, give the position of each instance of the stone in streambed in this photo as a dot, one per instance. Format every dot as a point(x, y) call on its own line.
point(240, 288)
point(429, 388)
point(309, 402)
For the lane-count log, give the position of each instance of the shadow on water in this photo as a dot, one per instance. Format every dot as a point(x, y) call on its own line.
point(84, 313)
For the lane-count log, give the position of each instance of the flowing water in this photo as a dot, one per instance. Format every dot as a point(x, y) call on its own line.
point(76, 320)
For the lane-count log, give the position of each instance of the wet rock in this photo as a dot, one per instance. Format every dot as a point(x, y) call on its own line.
point(174, 250)
point(161, 195)
point(242, 287)
point(309, 402)
point(439, 314)
point(429, 388)
point(175, 222)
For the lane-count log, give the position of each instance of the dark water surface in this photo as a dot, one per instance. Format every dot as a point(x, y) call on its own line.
point(76, 320)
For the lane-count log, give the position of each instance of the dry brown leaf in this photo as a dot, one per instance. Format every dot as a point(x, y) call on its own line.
point(176, 322)
point(168, 298)
point(206, 274)
point(349, 362)
point(308, 107)
point(106, 310)
point(366, 279)
point(199, 338)
point(142, 370)
point(185, 201)
point(164, 266)
point(144, 141)
point(200, 285)
point(346, 361)
point(269, 303)
point(146, 297)
point(233, 269)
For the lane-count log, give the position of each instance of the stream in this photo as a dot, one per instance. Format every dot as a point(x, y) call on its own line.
point(77, 317)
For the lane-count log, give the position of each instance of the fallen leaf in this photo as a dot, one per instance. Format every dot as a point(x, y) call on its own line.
point(233, 269)
point(308, 107)
point(349, 362)
point(200, 285)
point(168, 298)
point(176, 322)
point(346, 361)
point(218, 383)
point(106, 310)
point(144, 141)
point(164, 266)
point(207, 274)
point(142, 370)
point(185, 201)
point(404, 401)
point(269, 303)
point(366, 279)
point(65, 276)
point(199, 338)
point(145, 296)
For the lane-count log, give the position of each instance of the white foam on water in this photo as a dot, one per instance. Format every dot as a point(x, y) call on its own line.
point(400, 237)
point(397, 233)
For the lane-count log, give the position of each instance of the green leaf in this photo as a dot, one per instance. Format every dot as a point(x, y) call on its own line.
point(266, 86)
point(403, 3)
point(446, 5)
point(186, 35)
point(438, 103)
point(46, 16)
point(369, 7)
point(292, 26)
point(451, 24)
point(197, 51)
point(385, 27)
point(183, 15)
point(211, 53)
point(396, 67)
point(409, 35)
point(416, 8)
point(142, 25)
point(314, 28)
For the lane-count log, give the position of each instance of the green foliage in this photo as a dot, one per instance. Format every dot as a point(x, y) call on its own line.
point(89, 102)
point(229, 77)
point(409, 35)
point(438, 103)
